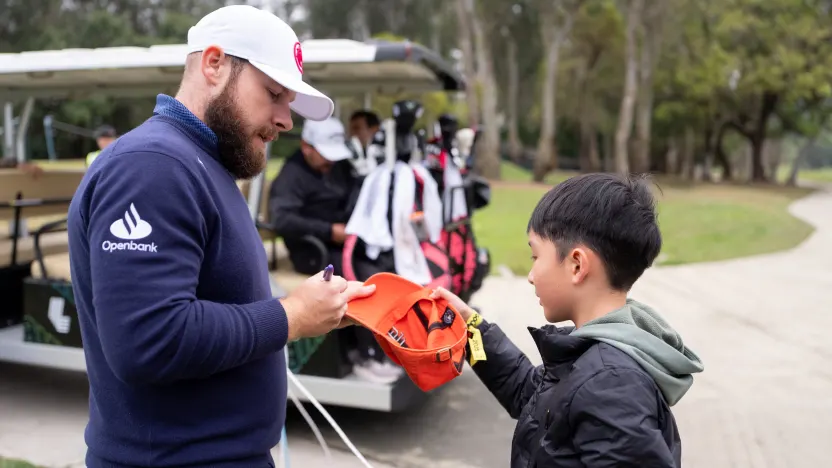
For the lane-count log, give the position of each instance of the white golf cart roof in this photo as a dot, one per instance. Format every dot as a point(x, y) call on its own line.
point(336, 66)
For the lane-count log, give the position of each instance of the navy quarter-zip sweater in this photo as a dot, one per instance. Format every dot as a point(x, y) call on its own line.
point(182, 337)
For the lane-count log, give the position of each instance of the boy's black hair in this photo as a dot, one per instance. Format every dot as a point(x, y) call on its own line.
point(369, 117)
point(613, 215)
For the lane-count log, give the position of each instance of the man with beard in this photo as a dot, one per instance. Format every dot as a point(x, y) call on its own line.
point(183, 339)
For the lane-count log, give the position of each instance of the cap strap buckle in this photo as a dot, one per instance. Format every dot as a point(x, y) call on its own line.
point(444, 355)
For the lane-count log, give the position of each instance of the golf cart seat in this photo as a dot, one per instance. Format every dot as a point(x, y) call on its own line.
point(56, 266)
point(44, 198)
point(52, 243)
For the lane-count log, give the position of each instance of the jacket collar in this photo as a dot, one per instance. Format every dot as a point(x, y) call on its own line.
point(558, 348)
point(182, 117)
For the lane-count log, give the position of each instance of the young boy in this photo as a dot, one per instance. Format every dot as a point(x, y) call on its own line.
point(603, 394)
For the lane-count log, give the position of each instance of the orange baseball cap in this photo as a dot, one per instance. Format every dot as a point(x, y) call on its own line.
point(425, 336)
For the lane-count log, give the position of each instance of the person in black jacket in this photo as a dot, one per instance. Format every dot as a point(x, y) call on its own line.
point(313, 195)
point(602, 397)
point(310, 195)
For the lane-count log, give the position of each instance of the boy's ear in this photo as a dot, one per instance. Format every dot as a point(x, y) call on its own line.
point(578, 260)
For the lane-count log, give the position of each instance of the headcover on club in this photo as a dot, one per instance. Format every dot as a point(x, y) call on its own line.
point(405, 114)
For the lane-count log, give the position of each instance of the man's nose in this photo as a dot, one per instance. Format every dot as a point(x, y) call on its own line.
point(282, 118)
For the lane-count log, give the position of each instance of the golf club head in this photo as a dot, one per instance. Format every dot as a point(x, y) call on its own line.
point(405, 115)
point(448, 126)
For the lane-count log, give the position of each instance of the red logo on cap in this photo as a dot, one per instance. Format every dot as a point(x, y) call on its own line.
point(299, 57)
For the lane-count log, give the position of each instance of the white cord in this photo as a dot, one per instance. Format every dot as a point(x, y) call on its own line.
point(307, 417)
point(312, 425)
point(284, 448)
point(329, 419)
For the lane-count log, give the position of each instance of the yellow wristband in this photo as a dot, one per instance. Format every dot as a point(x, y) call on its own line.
point(474, 320)
point(475, 343)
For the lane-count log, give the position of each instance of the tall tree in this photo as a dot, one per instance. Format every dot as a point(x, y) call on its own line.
point(596, 31)
point(650, 48)
point(466, 44)
point(488, 152)
point(783, 52)
point(556, 19)
point(625, 116)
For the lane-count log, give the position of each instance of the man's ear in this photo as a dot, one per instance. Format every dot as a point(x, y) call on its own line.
point(578, 261)
point(211, 65)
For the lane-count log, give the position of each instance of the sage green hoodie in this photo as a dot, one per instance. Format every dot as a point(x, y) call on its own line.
point(640, 332)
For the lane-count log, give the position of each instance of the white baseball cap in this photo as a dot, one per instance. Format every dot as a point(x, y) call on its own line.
point(327, 136)
point(269, 44)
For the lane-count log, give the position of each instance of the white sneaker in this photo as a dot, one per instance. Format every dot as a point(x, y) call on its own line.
point(387, 367)
point(374, 371)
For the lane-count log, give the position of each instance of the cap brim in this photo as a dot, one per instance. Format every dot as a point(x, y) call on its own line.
point(371, 310)
point(309, 103)
point(334, 152)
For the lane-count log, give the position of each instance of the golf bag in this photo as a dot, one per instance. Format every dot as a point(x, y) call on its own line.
point(451, 255)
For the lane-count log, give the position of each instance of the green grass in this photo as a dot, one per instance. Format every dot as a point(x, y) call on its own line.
point(698, 223)
point(13, 463)
point(817, 175)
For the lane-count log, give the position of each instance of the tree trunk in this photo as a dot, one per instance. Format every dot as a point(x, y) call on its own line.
point(688, 154)
point(758, 137)
point(721, 157)
point(758, 169)
point(672, 158)
point(466, 44)
point(608, 162)
point(488, 157)
point(588, 159)
point(553, 38)
point(515, 148)
point(625, 116)
point(791, 181)
point(773, 154)
point(644, 113)
point(710, 145)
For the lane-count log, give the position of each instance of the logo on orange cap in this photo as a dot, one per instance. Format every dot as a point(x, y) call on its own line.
point(425, 336)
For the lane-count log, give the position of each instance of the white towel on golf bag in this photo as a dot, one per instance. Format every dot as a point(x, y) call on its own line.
point(456, 197)
point(369, 218)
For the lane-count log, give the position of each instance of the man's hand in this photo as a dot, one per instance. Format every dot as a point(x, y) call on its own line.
point(339, 234)
point(316, 306)
point(355, 290)
point(454, 301)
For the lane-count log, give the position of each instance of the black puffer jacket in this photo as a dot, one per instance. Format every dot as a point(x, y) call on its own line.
point(588, 405)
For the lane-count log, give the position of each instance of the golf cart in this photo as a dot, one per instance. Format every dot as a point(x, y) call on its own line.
point(38, 320)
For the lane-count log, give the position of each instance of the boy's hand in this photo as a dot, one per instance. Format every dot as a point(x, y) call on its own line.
point(454, 302)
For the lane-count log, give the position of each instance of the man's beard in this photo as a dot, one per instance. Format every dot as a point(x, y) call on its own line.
point(236, 152)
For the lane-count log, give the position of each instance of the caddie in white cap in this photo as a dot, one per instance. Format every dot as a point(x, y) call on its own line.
point(183, 339)
point(243, 74)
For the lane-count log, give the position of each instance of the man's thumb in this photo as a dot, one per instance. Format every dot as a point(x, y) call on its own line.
point(364, 291)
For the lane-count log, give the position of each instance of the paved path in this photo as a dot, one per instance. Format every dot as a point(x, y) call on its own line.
point(760, 325)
